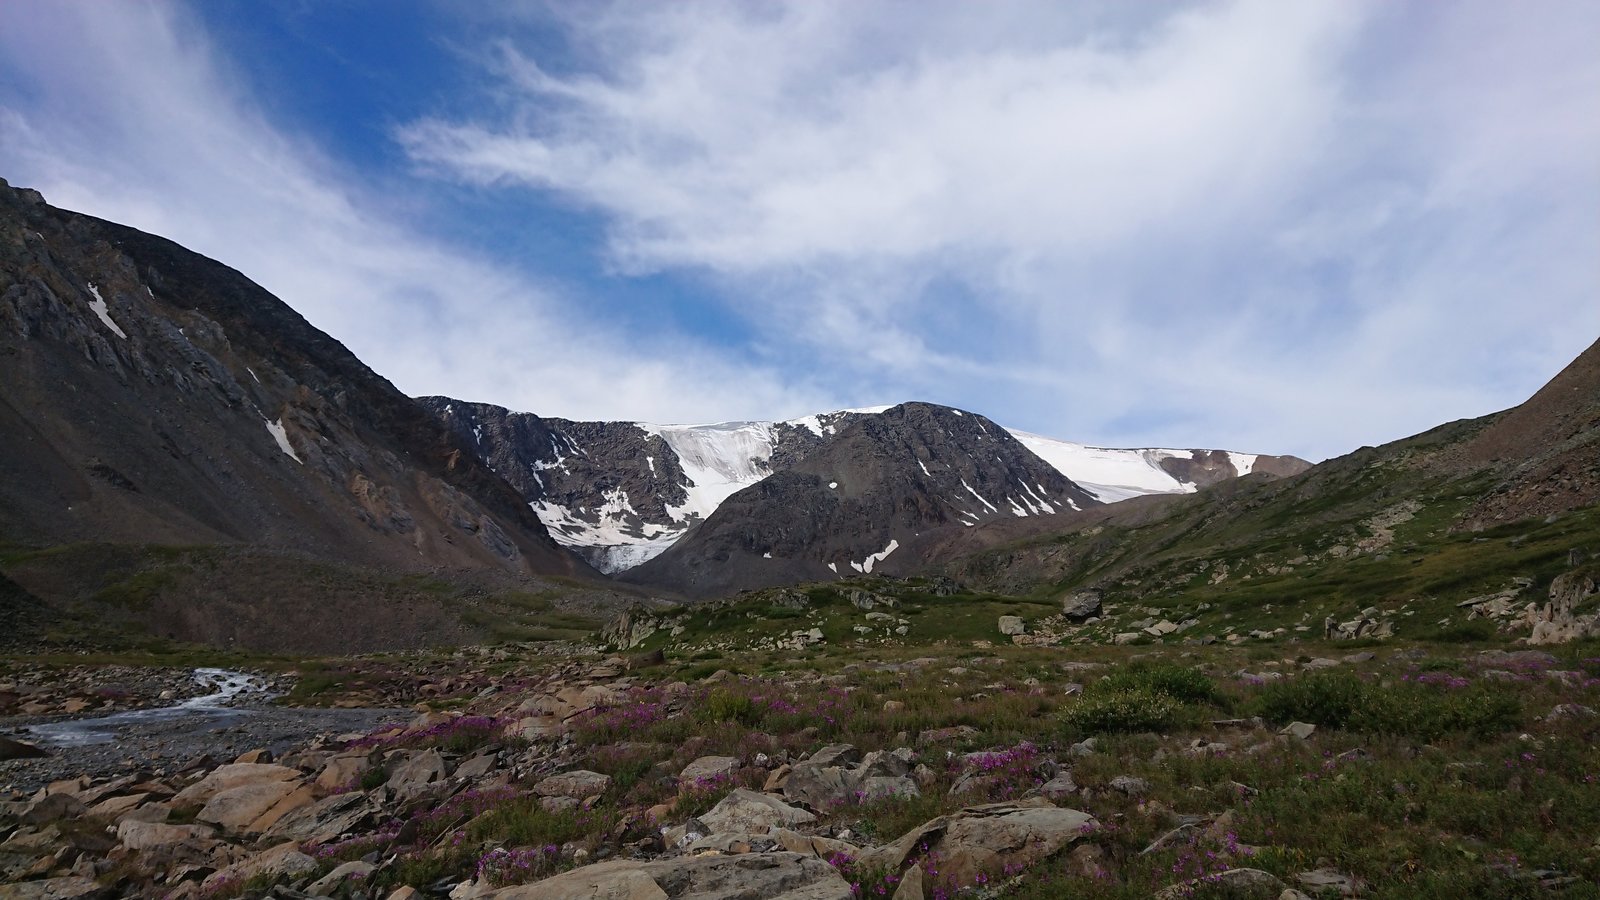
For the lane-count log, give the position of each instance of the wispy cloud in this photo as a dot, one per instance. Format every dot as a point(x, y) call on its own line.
point(1290, 226)
point(128, 112)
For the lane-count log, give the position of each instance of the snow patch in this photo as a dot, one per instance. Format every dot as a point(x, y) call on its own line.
point(833, 485)
point(978, 495)
point(924, 469)
point(252, 374)
point(104, 312)
point(282, 437)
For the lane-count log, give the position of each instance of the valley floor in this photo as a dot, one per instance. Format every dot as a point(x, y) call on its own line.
point(1377, 769)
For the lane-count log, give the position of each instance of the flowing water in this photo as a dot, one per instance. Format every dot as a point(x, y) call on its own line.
point(212, 708)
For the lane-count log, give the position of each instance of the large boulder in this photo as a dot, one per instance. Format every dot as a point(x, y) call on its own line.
point(768, 876)
point(1081, 605)
point(232, 776)
point(325, 820)
point(748, 811)
point(254, 807)
point(979, 840)
point(579, 784)
point(709, 768)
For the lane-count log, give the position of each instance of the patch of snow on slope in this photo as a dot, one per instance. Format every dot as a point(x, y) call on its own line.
point(978, 495)
point(867, 564)
point(719, 460)
point(104, 312)
point(282, 437)
point(1109, 474)
point(1243, 462)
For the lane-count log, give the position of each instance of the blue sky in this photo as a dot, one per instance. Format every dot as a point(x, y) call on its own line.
point(1255, 225)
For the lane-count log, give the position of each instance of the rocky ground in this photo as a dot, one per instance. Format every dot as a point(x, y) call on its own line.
point(1021, 772)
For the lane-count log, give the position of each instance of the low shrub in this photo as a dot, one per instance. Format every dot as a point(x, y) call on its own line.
point(1178, 682)
point(1127, 709)
point(1326, 699)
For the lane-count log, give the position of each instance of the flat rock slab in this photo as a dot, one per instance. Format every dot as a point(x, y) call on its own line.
point(769, 876)
point(986, 840)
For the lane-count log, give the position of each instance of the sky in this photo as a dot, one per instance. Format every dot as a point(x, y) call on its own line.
point(1256, 225)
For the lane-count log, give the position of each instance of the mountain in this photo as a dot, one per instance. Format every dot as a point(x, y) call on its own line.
point(154, 397)
point(621, 493)
point(875, 487)
point(1493, 521)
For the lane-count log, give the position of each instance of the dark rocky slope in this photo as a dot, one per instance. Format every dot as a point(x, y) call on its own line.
point(156, 397)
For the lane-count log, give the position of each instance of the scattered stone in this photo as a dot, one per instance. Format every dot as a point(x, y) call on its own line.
point(1300, 730)
point(1130, 785)
point(1326, 881)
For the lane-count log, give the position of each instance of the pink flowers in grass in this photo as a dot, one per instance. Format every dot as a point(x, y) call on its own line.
point(501, 866)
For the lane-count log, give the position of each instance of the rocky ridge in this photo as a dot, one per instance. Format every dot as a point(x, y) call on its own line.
point(620, 493)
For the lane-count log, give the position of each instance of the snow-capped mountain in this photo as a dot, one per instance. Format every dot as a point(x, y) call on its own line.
point(1112, 474)
point(621, 493)
point(866, 500)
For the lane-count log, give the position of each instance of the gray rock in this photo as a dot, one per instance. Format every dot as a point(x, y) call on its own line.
point(709, 768)
point(769, 876)
point(579, 784)
point(1300, 730)
point(1081, 605)
point(325, 820)
point(1247, 882)
point(1130, 785)
point(749, 811)
point(1010, 625)
point(985, 839)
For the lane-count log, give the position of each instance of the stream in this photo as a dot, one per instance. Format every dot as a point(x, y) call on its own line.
point(232, 719)
point(205, 709)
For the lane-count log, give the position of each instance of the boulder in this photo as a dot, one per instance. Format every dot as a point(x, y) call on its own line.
point(283, 859)
point(769, 876)
point(325, 820)
point(1081, 605)
point(1010, 625)
point(988, 840)
point(1235, 882)
point(10, 749)
point(329, 883)
point(709, 768)
point(579, 784)
point(232, 776)
point(136, 835)
point(414, 776)
point(749, 811)
point(252, 808)
point(72, 887)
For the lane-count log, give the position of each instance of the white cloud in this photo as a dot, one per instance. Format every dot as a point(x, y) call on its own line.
point(1267, 225)
point(130, 115)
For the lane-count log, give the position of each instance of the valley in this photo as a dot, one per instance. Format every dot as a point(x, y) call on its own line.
point(897, 651)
